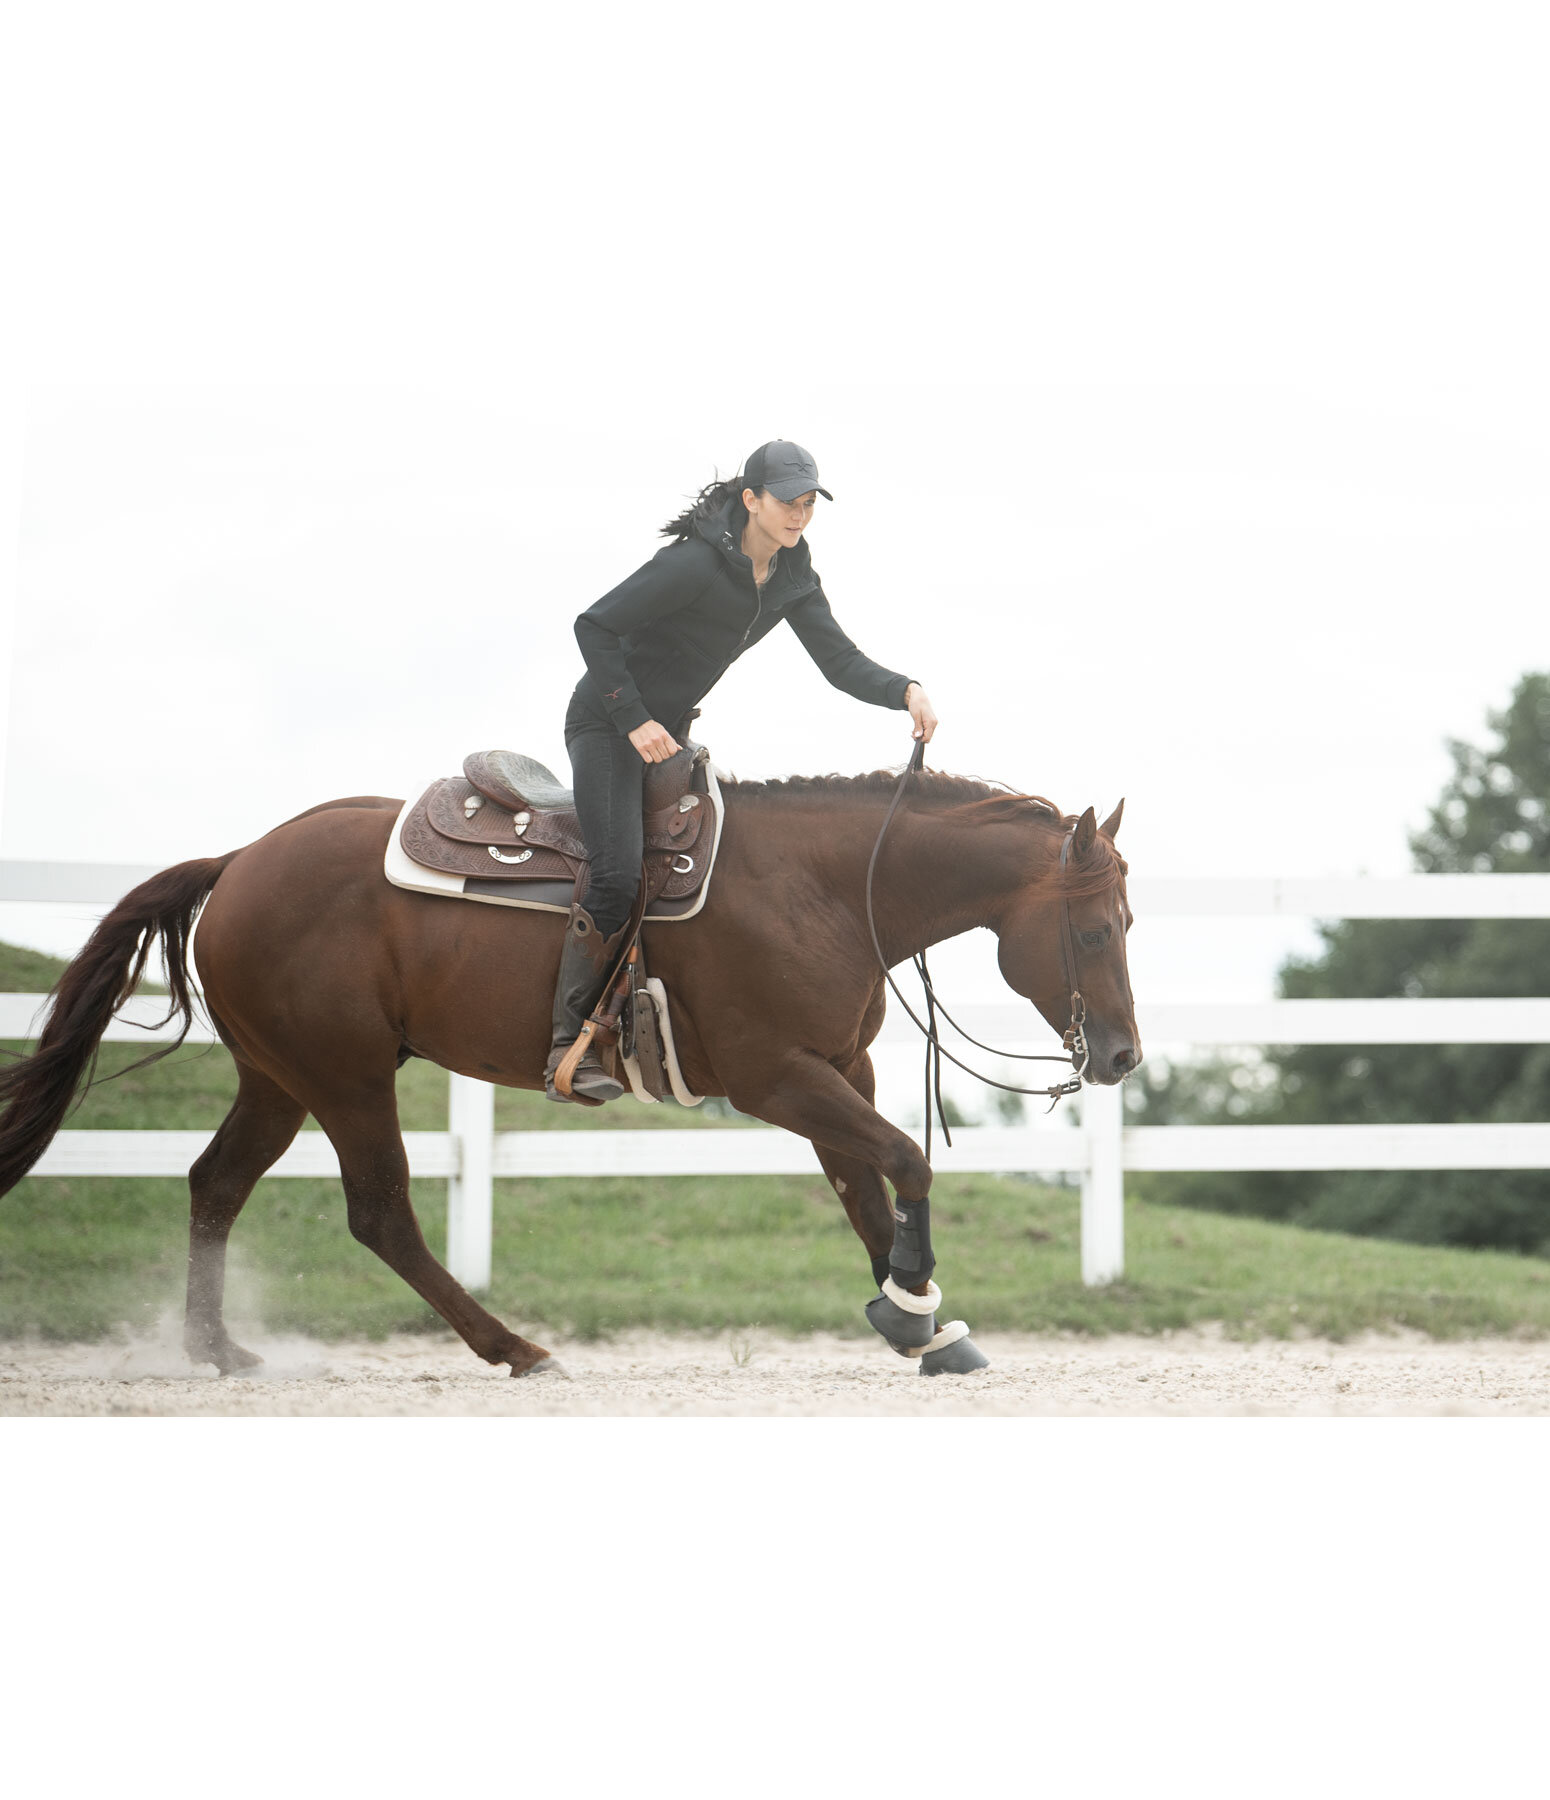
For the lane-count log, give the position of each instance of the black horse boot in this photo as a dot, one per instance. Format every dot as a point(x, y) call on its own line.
point(584, 964)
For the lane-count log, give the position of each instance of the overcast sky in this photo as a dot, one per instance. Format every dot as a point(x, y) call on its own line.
point(1181, 376)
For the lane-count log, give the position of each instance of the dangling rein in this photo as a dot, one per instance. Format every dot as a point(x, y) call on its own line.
point(1076, 1037)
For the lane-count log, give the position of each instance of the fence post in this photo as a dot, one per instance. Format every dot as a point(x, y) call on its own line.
point(1103, 1185)
point(470, 1192)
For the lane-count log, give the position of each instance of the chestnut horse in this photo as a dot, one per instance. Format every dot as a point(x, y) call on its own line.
point(321, 979)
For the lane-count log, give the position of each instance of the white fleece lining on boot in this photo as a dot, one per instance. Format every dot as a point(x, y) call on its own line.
point(920, 1304)
point(949, 1334)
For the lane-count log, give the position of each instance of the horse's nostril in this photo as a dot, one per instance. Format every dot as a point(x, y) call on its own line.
point(1124, 1061)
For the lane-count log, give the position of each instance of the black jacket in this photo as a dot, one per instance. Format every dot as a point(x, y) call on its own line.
point(661, 640)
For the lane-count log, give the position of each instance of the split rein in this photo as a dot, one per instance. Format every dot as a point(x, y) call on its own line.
point(1076, 1037)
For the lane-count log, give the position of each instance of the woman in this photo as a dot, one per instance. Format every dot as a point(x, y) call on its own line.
point(654, 647)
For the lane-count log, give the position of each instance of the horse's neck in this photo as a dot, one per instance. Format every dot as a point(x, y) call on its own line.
point(938, 875)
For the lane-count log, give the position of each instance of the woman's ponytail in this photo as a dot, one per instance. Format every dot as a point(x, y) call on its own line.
point(710, 498)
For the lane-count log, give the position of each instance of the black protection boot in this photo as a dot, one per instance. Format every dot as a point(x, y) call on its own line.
point(584, 964)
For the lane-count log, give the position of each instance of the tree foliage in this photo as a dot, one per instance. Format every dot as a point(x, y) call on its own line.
point(1490, 817)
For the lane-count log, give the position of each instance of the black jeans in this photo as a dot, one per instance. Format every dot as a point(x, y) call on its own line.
point(608, 775)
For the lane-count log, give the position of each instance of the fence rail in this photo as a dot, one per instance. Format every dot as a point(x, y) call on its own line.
point(471, 1154)
point(1506, 1021)
point(1151, 896)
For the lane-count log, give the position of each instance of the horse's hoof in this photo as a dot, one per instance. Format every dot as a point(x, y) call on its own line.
point(229, 1358)
point(546, 1365)
point(903, 1331)
point(960, 1358)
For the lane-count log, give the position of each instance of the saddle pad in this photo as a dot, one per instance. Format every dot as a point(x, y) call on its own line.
point(544, 881)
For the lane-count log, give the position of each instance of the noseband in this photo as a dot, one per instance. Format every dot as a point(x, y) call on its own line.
point(1075, 1040)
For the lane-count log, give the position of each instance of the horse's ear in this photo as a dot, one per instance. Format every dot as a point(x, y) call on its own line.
point(1086, 833)
point(1110, 826)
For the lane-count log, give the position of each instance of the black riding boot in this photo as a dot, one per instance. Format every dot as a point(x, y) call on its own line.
point(584, 964)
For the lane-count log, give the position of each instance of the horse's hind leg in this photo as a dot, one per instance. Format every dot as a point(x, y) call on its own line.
point(254, 1134)
point(375, 1168)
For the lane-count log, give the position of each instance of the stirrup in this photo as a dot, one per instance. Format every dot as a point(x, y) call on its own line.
point(589, 1082)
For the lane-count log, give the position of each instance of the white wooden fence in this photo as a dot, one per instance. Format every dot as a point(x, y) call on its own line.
point(471, 1154)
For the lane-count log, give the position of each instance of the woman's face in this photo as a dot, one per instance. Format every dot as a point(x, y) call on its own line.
point(784, 520)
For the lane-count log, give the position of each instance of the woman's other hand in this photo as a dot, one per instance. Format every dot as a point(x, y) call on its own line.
point(920, 711)
point(655, 742)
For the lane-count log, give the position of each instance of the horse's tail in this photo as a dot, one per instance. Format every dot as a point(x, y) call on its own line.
point(41, 1087)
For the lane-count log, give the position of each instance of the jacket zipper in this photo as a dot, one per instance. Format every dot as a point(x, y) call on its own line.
point(758, 608)
point(758, 602)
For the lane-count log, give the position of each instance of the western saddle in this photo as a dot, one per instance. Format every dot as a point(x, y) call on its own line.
point(507, 820)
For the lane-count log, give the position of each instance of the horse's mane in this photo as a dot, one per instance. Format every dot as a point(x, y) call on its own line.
point(991, 802)
point(930, 786)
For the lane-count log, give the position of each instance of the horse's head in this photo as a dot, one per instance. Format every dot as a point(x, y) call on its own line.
point(1088, 884)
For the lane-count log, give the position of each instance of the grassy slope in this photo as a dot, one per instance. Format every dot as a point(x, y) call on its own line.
point(80, 1258)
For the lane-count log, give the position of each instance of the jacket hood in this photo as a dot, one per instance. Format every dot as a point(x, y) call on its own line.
point(723, 528)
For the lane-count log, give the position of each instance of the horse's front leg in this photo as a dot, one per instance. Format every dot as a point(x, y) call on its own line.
point(858, 1147)
point(861, 1189)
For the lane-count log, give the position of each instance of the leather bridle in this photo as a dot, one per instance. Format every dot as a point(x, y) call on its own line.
point(1075, 1040)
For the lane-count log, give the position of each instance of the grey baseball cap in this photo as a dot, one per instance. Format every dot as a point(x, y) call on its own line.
point(784, 469)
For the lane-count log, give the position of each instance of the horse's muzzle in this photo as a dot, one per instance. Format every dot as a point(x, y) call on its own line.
point(1105, 1069)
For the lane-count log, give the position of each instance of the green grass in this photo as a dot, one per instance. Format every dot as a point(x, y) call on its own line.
point(27, 971)
point(80, 1259)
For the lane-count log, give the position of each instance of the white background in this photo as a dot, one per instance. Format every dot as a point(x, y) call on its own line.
point(1182, 375)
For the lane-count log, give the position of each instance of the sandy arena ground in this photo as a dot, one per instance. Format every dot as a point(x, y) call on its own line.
point(738, 1375)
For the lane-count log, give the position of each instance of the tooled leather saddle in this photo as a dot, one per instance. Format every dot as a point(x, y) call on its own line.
point(508, 829)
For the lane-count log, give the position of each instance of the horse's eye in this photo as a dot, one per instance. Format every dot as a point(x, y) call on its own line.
point(1092, 940)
